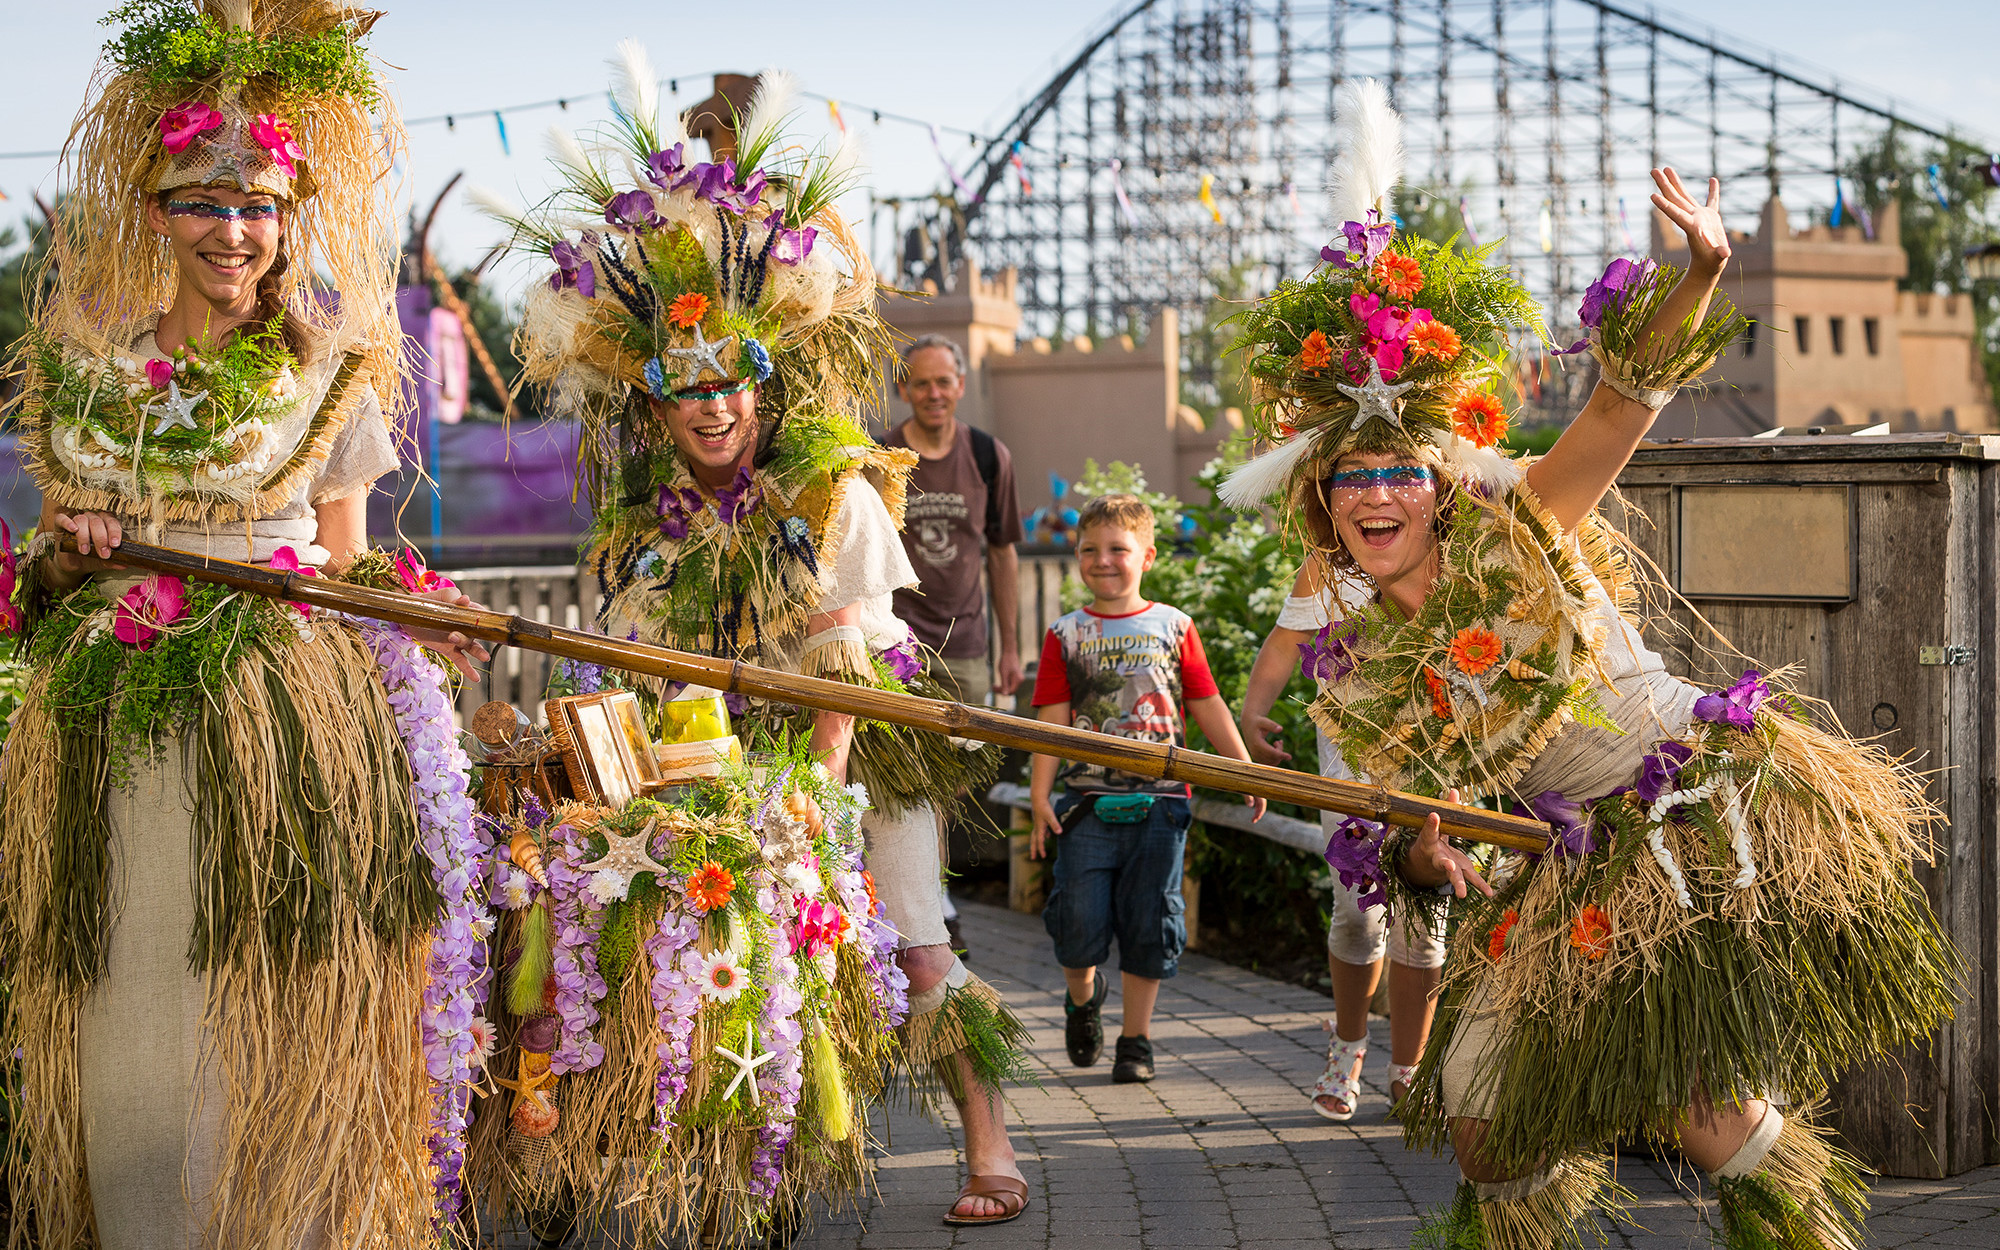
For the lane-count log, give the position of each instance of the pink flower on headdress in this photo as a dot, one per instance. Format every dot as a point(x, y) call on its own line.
point(159, 373)
point(180, 124)
point(274, 135)
point(147, 608)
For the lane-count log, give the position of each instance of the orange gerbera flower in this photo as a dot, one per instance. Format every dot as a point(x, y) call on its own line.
point(1315, 353)
point(1440, 695)
point(687, 310)
point(1591, 932)
point(710, 887)
point(1476, 649)
point(1479, 418)
point(1496, 941)
point(868, 879)
point(1398, 276)
point(1434, 339)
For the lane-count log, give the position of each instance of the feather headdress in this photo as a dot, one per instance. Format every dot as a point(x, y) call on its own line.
point(673, 276)
point(1389, 345)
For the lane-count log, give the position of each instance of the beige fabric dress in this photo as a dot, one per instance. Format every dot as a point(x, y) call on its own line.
point(153, 1106)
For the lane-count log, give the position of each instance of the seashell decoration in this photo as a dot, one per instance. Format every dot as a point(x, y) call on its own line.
point(805, 807)
point(528, 857)
point(1520, 670)
point(535, 1116)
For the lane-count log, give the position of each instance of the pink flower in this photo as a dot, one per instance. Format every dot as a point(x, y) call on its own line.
point(180, 125)
point(275, 136)
point(159, 373)
point(10, 617)
point(147, 608)
point(286, 560)
point(416, 578)
point(818, 928)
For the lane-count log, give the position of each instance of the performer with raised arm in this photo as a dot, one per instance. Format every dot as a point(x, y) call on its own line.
point(714, 325)
point(231, 825)
point(1727, 914)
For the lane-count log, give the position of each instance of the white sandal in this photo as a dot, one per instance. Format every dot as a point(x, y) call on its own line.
point(1400, 1074)
point(1341, 1080)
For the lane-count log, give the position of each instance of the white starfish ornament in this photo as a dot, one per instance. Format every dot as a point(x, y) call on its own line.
point(1376, 397)
point(704, 356)
point(176, 410)
point(746, 1063)
point(626, 854)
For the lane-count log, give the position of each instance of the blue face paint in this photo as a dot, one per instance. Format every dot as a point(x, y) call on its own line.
point(1394, 476)
point(712, 391)
point(222, 212)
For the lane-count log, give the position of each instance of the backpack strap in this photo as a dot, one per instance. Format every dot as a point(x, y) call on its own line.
point(986, 454)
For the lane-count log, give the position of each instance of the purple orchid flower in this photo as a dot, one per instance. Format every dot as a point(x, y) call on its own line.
point(902, 659)
point(1354, 852)
point(736, 501)
point(573, 269)
point(1330, 655)
point(1365, 240)
point(716, 182)
point(1619, 276)
point(1659, 771)
point(664, 168)
point(1736, 706)
point(1571, 824)
point(677, 508)
point(791, 246)
point(633, 210)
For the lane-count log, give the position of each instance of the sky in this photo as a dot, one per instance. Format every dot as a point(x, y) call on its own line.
point(957, 65)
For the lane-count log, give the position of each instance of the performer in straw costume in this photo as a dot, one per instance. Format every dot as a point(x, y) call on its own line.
point(714, 325)
point(1727, 913)
point(226, 826)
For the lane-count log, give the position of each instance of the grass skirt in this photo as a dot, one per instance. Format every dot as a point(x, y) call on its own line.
point(1765, 936)
point(309, 911)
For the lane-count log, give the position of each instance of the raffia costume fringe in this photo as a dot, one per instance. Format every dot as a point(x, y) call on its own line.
point(973, 1021)
point(1832, 956)
point(1556, 1215)
point(665, 1186)
point(1808, 1194)
point(314, 982)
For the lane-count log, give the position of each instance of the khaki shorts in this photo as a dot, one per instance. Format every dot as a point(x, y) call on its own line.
point(967, 680)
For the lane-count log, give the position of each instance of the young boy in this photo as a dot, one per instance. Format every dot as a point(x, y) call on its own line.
point(1128, 667)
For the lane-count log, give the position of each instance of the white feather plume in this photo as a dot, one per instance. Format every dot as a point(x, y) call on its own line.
point(848, 157)
point(565, 151)
point(1250, 484)
point(634, 84)
point(777, 96)
point(1368, 134)
point(494, 205)
point(1489, 467)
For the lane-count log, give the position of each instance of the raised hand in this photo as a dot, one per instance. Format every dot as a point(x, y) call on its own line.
point(1708, 242)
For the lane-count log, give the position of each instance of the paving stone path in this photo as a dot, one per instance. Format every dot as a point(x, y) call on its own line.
point(1223, 1150)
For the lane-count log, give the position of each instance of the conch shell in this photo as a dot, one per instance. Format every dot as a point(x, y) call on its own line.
point(1520, 670)
point(805, 807)
point(528, 857)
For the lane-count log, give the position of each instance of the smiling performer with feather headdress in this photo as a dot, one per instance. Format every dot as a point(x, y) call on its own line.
point(1727, 909)
point(714, 324)
point(227, 821)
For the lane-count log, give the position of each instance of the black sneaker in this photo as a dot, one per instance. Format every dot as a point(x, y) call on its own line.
point(1135, 1061)
point(1083, 1028)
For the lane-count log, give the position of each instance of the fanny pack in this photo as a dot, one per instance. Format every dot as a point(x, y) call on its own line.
point(1124, 809)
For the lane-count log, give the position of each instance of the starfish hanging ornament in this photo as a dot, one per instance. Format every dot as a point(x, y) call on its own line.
point(626, 854)
point(176, 410)
point(530, 1087)
point(747, 1062)
point(1376, 397)
point(704, 356)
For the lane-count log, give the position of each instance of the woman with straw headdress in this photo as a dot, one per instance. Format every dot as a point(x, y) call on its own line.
point(231, 826)
point(1726, 911)
point(714, 325)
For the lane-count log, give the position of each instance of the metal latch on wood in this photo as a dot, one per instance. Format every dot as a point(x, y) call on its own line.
point(1949, 657)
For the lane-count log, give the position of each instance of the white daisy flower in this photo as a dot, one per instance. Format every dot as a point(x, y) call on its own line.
point(514, 893)
point(720, 977)
point(485, 1038)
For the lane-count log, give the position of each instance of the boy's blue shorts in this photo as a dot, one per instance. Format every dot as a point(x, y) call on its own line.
point(1121, 880)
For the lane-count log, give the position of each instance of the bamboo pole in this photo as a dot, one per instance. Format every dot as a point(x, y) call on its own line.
point(1146, 759)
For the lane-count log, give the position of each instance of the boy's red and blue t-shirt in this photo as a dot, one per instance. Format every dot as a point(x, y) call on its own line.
point(1127, 675)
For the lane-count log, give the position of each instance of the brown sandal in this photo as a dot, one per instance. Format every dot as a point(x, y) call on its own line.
point(1012, 1195)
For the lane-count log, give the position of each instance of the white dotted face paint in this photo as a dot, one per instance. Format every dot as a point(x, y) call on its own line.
point(1377, 504)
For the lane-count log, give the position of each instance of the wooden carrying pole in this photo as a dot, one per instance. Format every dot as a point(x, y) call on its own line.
point(1146, 759)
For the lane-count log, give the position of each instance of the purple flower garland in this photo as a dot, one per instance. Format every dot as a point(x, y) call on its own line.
point(677, 1004)
point(456, 845)
point(579, 919)
point(783, 1079)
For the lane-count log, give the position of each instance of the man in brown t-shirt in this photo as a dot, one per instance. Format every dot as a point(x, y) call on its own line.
point(962, 500)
